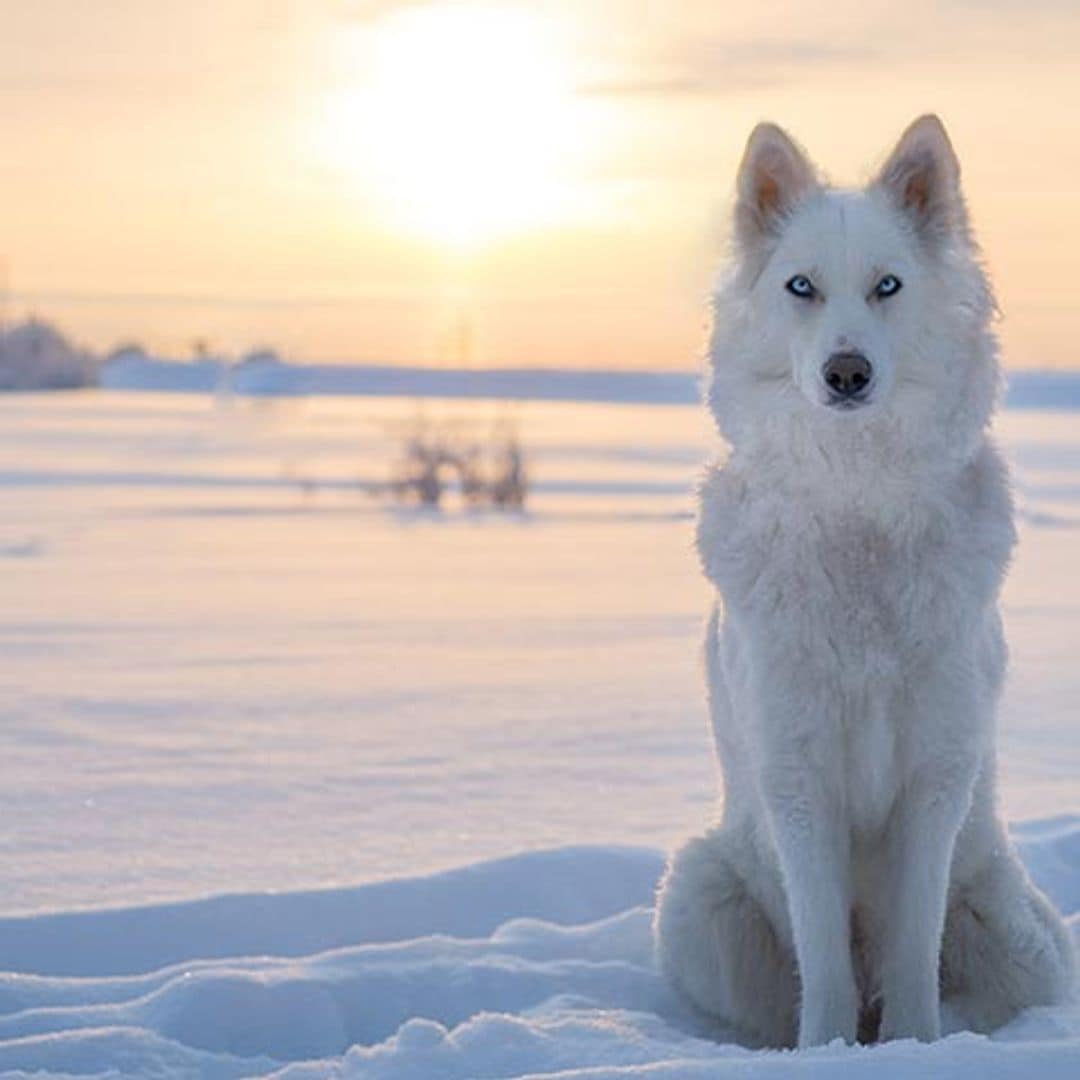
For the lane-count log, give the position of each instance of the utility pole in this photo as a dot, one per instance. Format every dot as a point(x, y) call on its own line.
point(464, 341)
point(5, 295)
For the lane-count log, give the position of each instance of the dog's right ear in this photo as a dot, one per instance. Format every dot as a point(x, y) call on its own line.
point(774, 176)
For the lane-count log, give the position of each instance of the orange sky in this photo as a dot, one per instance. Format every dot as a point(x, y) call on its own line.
point(352, 180)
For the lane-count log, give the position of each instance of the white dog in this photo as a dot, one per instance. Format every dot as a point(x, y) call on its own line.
point(858, 535)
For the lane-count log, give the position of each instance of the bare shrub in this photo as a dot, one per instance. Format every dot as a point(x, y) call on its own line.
point(438, 457)
point(509, 482)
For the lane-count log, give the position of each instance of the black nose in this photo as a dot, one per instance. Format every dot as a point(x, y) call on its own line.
point(847, 373)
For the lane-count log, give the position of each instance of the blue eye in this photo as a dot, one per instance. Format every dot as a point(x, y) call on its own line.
point(889, 285)
point(801, 286)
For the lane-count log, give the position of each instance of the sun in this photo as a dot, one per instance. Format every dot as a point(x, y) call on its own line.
point(462, 122)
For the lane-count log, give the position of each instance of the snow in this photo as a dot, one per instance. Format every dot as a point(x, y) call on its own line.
point(535, 965)
point(532, 965)
point(302, 783)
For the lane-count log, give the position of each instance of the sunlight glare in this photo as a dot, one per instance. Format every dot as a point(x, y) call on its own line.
point(465, 126)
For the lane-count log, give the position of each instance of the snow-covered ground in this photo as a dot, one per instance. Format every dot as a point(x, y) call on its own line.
point(255, 715)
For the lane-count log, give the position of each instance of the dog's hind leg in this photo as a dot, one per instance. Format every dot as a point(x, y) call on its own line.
point(716, 943)
point(1004, 948)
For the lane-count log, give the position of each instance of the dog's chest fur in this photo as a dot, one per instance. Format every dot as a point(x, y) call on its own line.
point(852, 588)
point(861, 592)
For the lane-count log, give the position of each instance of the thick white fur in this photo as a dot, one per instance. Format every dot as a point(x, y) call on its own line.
point(859, 874)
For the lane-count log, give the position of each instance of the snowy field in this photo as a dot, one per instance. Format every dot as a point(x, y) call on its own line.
point(301, 783)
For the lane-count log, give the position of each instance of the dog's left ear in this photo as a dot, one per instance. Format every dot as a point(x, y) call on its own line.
point(922, 177)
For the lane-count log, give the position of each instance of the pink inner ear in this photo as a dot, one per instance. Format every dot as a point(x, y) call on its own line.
point(775, 181)
point(768, 194)
point(917, 191)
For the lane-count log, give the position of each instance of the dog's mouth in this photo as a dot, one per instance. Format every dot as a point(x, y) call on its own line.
point(849, 402)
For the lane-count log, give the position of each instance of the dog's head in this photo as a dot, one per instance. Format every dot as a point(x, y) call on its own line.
point(850, 304)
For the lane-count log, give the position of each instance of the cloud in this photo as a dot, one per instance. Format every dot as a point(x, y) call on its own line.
point(371, 10)
point(91, 298)
point(643, 87)
point(716, 66)
point(1023, 7)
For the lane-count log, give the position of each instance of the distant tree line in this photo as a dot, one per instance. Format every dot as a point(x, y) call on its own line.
point(36, 356)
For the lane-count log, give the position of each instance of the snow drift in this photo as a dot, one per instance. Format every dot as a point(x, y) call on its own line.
point(537, 965)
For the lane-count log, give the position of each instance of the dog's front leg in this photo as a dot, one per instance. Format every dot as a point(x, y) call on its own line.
point(921, 839)
point(943, 758)
point(812, 842)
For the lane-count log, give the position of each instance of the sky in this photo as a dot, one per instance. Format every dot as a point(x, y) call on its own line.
point(544, 182)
